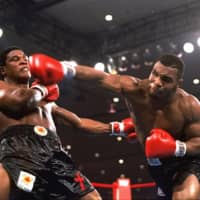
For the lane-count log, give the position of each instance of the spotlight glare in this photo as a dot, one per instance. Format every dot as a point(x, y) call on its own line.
point(115, 99)
point(119, 139)
point(196, 81)
point(68, 147)
point(198, 41)
point(1, 32)
point(110, 60)
point(188, 47)
point(108, 18)
point(99, 66)
point(180, 55)
point(123, 58)
point(121, 161)
point(97, 155)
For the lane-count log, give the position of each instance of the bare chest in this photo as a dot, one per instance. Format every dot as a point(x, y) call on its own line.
point(40, 116)
point(146, 117)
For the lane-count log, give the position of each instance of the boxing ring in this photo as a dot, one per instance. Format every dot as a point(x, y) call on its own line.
point(122, 189)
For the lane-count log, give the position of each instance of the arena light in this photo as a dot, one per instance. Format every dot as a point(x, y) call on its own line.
point(99, 66)
point(123, 58)
point(188, 47)
point(110, 60)
point(108, 17)
point(196, 81)
point(119, 138)
point(115, 99)
point(122, 64)
point(103, 171)
point(180, 55)
point(121, 161)
point(97, 155)
point(122, 68)
point(1, 32)
point(198, 41)
point(68, 147)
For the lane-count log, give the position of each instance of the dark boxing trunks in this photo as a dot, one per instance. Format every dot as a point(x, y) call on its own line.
point(38, 166)
point(171, 171)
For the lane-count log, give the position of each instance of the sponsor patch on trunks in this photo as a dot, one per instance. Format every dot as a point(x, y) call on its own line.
point(26, 181)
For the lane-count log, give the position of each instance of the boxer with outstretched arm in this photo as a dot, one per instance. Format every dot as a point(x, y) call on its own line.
point(33, 164)
point(167, 120)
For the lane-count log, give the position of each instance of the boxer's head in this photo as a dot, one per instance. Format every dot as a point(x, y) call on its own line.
point(14, 64)
point(166, 76)
point(173, 61)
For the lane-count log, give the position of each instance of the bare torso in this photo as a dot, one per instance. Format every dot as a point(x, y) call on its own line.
point(149, 114)
point(40, 116)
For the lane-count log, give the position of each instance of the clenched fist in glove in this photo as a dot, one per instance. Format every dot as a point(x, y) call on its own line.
point(49, 70)
point(122, 128)
point(161, 144)
point(49, 92)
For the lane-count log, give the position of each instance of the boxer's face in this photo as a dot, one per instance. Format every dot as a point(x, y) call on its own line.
point(163, 81)
point(16, 66)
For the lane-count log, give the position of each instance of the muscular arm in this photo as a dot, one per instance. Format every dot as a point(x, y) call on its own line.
point(16, 99)
point(65, 117)
point(115, 83)
point(58, 70)
point(192, 130)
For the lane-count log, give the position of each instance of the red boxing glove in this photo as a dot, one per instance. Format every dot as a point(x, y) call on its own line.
point(49, 70)
point(122, 128)
point(51, 92)
point(161, 144)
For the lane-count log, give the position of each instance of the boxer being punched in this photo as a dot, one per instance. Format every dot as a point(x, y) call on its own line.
point(33, 163)
point(167, 121)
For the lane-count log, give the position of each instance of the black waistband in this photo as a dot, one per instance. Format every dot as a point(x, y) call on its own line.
point(22, 129)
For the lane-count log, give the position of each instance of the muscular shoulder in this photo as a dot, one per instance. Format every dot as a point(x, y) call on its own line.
point(129, 83)
point(190, 105)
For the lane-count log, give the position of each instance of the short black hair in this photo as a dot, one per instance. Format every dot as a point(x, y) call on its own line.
point(4, 53)
point(170, 60)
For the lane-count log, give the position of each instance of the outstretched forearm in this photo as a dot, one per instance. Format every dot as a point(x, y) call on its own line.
point(89, 73)
point(107, 81)
point(65, 117)
point(94, 127)
point(64, 69)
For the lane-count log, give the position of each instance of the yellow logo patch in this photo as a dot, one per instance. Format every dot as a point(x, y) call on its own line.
point(26, 181)
point(40, 130)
